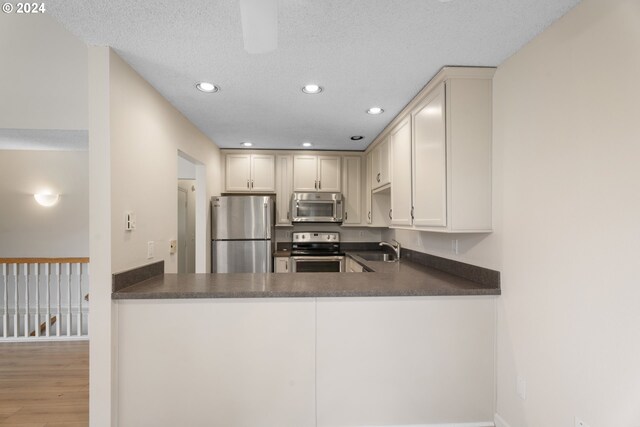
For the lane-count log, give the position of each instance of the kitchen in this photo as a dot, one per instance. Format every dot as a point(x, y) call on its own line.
point(549, 212)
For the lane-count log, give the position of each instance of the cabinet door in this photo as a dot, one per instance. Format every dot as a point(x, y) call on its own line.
point(329, 173)
point(429, 167)
point(281, 265)
point(351, 189)
point(375, 168)
point(401, 173)
point(263, 173)
point(384, 159)
point(305, 173)
point(284, 184)
point(367, 190)
point(238, 173)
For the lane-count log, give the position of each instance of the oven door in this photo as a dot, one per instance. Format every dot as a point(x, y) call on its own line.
point(317, 264)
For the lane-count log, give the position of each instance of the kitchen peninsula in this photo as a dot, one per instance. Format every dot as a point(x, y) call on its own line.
point(403, 343)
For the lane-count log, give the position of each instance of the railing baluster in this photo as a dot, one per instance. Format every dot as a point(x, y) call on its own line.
point(26, 294)
point(36, 271)
point(5, 295)
point(47, 272)
point(15, 313)
point(79, 299)
point(69, 299)
point(58, 311)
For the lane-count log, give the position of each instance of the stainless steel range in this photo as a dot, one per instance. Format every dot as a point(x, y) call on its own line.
point(316, 252)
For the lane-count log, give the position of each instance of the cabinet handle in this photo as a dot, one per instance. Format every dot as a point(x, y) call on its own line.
point(251, 183)
point(316, 185)
point(319, 185)
point(369, 214)
point(286, 266)
point(346, 216)
point(390, 210)
point(412, 213)
point(248, 184)
point(378, 177)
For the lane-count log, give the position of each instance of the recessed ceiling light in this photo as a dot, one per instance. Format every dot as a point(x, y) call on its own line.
point(246, 144)
point(311, 89)
point(375, 110)
point(306, 144)
point(357, 137)
point(207, 87)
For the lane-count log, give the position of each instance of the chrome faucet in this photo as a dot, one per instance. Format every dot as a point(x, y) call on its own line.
point(395, 247)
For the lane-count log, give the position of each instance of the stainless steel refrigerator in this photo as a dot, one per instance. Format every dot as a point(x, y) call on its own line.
point(241, 233)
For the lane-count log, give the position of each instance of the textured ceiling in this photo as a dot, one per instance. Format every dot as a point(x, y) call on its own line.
point(363, 52)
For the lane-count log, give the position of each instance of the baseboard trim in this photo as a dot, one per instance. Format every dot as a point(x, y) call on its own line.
point(500, 422)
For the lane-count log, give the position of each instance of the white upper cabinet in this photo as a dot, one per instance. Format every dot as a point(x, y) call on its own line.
point(351, 189)
point(440, 148)
point(452, 153)
point(316, 173)
point(250, 173)
point(429, 161)
point(400, 140)
point(284, 188)
point(380, 165)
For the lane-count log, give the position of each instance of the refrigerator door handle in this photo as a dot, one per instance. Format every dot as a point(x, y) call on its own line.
point(265, 213)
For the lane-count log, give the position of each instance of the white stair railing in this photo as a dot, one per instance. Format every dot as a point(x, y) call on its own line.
point(44, 298)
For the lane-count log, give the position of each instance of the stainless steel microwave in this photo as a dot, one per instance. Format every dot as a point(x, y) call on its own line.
point(316, 207)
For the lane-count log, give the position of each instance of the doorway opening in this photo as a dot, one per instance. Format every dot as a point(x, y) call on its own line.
point(191, 195)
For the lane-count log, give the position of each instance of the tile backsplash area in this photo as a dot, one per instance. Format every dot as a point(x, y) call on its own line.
point(350, 234)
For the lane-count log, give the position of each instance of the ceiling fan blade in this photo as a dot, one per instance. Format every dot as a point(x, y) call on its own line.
point(259, 25)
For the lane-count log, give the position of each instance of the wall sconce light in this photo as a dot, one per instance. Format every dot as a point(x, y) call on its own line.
point(46, 198)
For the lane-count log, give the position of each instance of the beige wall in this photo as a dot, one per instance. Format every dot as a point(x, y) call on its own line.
point(134, 138)
point(43, 77)
point(567, 141)
point(30, 230)
point(566, 215)
point(146, 134)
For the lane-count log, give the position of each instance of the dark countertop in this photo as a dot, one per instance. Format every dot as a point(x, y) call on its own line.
point(282, 253)
point(404, 278)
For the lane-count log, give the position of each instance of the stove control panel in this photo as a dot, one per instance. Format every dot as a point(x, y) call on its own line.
point(331, 237)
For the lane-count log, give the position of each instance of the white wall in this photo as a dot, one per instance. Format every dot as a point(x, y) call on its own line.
point(30, 230)
point(43, 77)
point(146, 134)
point(566, 210)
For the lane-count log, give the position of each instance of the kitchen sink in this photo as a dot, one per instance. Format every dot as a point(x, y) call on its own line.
point(377, 256)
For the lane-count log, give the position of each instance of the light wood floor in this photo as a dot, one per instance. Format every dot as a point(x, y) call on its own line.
point(44, 384)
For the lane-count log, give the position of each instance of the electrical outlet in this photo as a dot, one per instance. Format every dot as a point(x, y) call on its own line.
point(521, 387)
point(579, 423)
point(173, 246)
point(150, 250)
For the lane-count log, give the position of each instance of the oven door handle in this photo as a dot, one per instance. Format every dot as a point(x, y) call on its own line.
point(317, 258)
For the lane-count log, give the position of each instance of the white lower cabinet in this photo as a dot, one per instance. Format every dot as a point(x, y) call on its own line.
point(282, 265)
point(405, 361)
